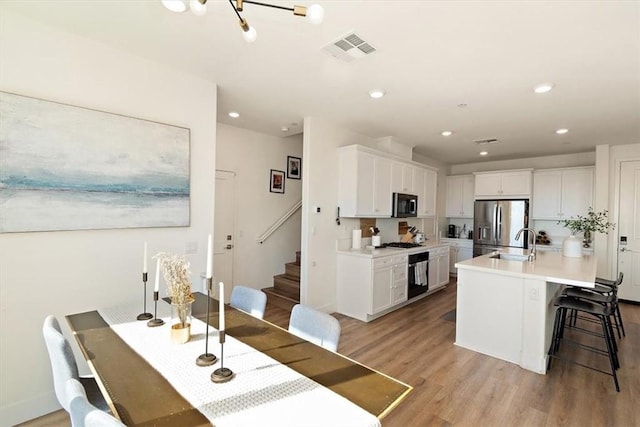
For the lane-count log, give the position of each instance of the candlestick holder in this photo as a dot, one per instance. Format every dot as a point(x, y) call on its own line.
point(222, 374)
point(155, 321)
point(144, 315)
point(206, 358)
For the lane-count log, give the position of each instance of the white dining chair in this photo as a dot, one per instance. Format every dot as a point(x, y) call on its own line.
point(64, 367)
point(315, 326)
point(252, 301)
point(82, 412)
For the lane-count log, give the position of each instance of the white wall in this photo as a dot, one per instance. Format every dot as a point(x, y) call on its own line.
point(69, 272)
point(319, 230)
point(543, 162)
point(251, 155)
point(608, 162)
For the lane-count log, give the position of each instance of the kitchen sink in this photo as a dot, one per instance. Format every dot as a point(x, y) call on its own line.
point(510, 257)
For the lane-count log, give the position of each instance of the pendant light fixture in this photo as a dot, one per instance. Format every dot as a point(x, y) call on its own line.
point(314, 13)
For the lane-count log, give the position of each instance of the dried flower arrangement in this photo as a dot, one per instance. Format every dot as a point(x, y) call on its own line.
point(176, 273)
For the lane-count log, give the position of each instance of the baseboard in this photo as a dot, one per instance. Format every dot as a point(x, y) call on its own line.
point(26, 410)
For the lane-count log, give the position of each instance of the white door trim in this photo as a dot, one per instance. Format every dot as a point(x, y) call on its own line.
point(615, 235)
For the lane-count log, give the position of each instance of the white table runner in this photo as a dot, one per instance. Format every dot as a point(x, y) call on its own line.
point(264, 392)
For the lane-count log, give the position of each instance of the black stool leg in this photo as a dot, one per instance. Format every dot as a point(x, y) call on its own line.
point(607, 329)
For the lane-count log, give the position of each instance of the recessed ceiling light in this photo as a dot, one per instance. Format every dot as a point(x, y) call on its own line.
point(543, 87)
point(234, 114)
point(484, 153)
point(562, 131)
point(462, 105)
point(376, 93)
point(447, 133)
point(284, 129)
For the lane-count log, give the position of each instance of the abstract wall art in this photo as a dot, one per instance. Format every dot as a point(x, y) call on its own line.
point(70, 168)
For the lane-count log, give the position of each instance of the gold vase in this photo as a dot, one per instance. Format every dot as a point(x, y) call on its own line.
point(180, 322)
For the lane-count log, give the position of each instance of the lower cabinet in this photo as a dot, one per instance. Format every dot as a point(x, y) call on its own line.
point(438, 267)
point(368, 286)
point(460, 250)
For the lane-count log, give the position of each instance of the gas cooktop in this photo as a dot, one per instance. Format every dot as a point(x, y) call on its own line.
point(400, 245)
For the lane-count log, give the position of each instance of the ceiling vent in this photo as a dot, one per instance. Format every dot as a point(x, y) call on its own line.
point(349, 47)
point(486, 141)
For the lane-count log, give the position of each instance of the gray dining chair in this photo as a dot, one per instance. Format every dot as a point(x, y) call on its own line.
point(252, 301)
point(315, 326)
point(64, 367)
point(82, 412)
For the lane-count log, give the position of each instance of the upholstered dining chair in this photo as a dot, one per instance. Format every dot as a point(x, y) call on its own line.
point(82, 412)
point(252, 301)
point(64, 367)
point(315, 326)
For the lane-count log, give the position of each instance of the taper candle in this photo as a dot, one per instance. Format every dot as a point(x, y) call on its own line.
point(157, 276)
point(209, 259)
point(221, 308)
point(144, 260)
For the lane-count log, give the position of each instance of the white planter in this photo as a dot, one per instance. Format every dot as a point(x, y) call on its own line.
point(572, 247)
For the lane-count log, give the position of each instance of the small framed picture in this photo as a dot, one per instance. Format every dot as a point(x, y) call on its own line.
point(294, 167)
point(276, 183)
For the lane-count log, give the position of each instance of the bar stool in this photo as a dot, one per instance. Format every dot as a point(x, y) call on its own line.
point(602, 313)
point(605, 292)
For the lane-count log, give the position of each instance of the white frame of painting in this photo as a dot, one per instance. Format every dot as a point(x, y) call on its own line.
point(64, 167)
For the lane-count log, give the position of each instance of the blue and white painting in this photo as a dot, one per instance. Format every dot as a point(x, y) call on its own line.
point(70, 168)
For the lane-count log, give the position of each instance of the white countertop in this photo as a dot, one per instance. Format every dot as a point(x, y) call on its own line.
point(548, 266)
point(374, 253)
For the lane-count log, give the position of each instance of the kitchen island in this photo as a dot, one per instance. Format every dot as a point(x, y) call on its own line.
point(505, 304)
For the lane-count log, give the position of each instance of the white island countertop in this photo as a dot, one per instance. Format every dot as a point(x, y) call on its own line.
point(548, 266)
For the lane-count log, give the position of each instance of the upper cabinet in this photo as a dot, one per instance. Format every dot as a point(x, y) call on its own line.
point(368, 178)
point(364, 188)
point(562, 193)
point(460, 196)
point(503, 184)
point(427, 195)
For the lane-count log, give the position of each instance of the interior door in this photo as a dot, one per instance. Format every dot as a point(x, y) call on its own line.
point(223, 231)
point(629, 231)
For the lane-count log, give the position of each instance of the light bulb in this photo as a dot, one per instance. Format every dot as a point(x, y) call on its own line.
point(250, 35)
point(197, 8)
point(175, 5)
point(315, 14)
point(543, 87)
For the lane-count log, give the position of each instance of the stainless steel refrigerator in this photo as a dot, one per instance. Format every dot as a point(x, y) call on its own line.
point(495, 224)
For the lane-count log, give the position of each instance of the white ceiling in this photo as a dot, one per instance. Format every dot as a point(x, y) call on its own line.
point(431, 56)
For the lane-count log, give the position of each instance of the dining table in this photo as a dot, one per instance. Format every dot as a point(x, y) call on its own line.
point(279, 378)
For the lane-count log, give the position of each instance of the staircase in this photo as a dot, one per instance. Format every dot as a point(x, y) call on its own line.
point(285, 292)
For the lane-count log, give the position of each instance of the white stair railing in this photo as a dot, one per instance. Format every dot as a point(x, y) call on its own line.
point(279, 222)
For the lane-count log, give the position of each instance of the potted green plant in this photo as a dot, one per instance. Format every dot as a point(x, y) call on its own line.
point(592, 222)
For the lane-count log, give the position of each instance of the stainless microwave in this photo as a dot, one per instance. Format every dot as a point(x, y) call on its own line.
point(404, 205)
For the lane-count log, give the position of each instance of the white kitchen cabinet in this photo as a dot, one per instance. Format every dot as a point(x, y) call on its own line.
point(438, 267)
point(364, 184)
point(459, 250)
point(369, 286)
point(562, 193)
point(427, 197)
point(503, 184)
point(460, 196)
point(402, 178)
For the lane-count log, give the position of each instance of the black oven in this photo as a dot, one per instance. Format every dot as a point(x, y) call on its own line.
point(418, 274)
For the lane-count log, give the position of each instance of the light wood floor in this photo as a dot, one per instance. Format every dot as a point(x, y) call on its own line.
point(454, 386)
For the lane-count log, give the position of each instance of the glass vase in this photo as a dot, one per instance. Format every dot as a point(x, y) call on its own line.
point(180, 322)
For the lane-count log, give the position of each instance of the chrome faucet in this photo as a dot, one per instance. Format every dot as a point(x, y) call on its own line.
point(532, 254)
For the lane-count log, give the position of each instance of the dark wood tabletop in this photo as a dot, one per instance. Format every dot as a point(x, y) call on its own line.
point(142, 397)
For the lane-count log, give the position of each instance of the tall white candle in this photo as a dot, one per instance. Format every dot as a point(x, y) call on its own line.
point(144, 260)
point(209, 259)
point(221, 308)
point(157, 276)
